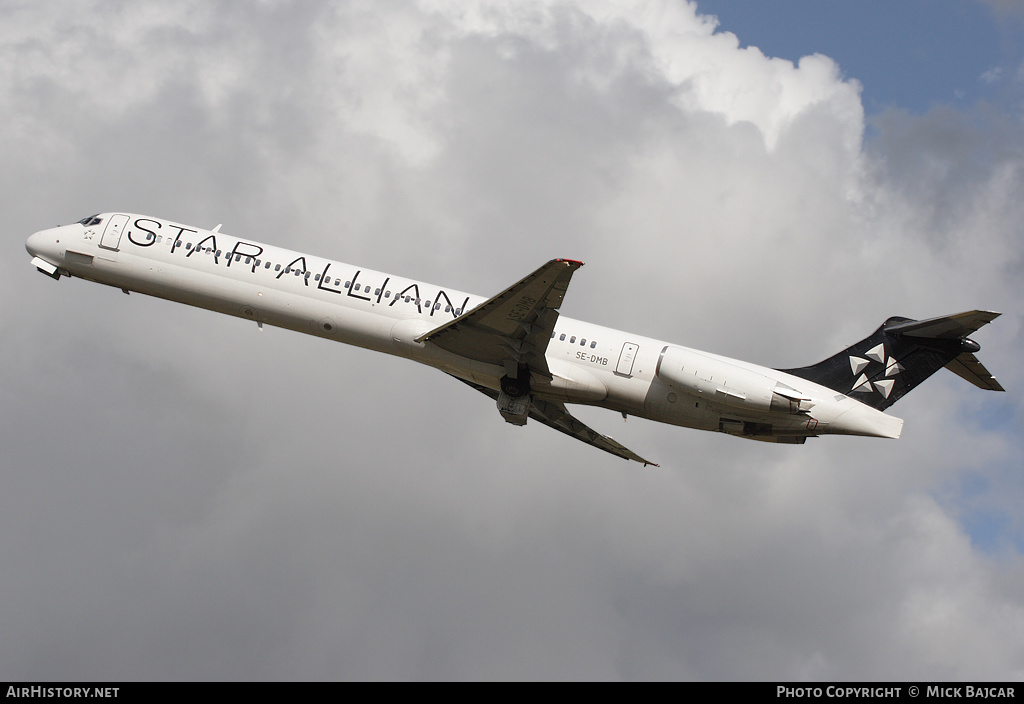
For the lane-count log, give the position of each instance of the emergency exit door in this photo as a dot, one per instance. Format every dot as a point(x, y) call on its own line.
point(626, 358)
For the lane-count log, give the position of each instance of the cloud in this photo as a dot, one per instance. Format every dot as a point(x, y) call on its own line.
point(193, 499)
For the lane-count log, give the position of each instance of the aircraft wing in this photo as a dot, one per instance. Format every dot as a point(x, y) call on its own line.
point(555, 415)
point(514, 326)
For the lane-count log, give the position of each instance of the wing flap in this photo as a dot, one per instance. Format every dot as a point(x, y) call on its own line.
point(554, 415)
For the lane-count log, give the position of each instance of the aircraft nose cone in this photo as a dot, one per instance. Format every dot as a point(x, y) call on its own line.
point(34, 244)
point(46, 245)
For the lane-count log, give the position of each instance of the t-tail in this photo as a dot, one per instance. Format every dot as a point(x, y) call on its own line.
point(880, 369)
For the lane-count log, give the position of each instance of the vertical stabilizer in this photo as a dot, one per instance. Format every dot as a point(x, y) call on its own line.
point(882, 368)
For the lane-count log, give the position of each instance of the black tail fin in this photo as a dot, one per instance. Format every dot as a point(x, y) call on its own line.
point(880, 369)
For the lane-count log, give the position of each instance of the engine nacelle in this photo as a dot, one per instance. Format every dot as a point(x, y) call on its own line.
point(726, 383)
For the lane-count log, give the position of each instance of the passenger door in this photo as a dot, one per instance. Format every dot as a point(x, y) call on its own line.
point(111, 240)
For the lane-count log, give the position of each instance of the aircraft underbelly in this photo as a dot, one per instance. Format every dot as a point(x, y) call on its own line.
point(668, 404)
point(242, 299)
point(570, 382)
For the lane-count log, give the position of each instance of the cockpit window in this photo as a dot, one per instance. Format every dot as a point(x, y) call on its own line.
point(91, 221)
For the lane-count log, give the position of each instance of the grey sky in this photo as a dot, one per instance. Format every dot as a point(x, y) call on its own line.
point(189, 498)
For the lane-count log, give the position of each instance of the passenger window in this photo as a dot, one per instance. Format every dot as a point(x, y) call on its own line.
point(458, 311)
point(348, 284)
point(267, 265)
point(387, 294)
point(583, 342)
point(593, 344)
point(561, 338)
point(316, 278)
point(357, 286)
point(552, 334)
point(376, 292)
point(572, 340)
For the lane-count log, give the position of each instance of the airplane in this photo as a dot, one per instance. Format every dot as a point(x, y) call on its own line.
point(515, 347)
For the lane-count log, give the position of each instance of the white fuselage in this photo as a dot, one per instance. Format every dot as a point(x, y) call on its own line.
point(589, 364)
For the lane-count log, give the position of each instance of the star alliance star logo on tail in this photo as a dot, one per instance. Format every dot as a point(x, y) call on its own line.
point(859, 364)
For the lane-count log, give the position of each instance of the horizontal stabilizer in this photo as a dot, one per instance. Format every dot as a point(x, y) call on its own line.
point(947, 327)
point(968, 367)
